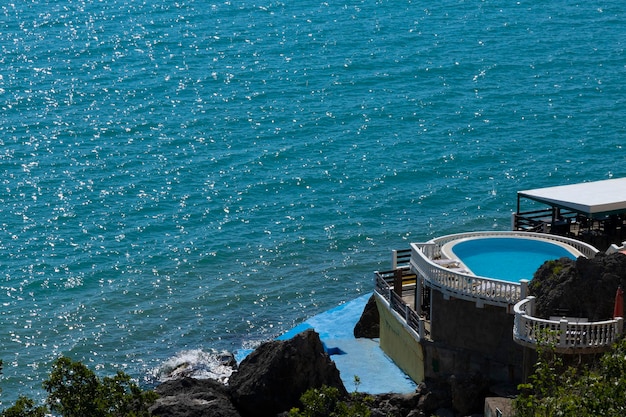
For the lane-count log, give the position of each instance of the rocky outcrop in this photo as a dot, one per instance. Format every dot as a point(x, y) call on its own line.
point(269, 381)
point(277, 373)
point(394, 404)
point(580, 288)
point(369, 324)
point(188, 397)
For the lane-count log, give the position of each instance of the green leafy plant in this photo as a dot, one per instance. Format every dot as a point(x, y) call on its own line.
point(577, 391)
point(25, 407)
point(327, 402)
point(75, 391)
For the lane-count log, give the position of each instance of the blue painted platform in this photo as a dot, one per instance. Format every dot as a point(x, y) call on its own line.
point(363, 358)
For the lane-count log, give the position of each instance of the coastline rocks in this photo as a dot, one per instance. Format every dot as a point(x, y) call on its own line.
point(385, 405)
point(268, 382)
point(188, 397)
point(368, 325)
point(277, 373)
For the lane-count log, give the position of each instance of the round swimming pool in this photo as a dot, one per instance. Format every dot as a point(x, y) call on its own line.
point(507, 258)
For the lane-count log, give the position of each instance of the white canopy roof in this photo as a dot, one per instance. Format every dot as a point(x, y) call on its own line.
point(591, 198)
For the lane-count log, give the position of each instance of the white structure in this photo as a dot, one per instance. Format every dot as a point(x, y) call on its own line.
point(594, 199)
point(566, 335)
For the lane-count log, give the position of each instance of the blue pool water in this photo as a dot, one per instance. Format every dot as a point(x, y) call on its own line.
point(508, 259)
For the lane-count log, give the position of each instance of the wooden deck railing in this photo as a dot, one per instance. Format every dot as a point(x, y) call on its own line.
point(384, 287)
point(567, 335)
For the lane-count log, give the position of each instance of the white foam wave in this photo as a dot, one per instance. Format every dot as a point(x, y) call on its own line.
point(198, 364)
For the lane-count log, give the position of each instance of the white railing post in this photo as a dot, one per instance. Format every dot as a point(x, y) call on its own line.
point(530, 310)
point(619, 326)
point(394, 259)
point(563, 333)
point(523, 288)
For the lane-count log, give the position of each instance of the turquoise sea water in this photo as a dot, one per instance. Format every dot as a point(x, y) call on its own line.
point(183, 177)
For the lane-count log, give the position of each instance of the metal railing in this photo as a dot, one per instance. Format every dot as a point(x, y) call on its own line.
point(541, 219)
point(567, 335)
point(384, 287)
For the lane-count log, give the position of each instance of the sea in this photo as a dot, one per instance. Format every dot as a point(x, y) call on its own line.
point(184, 178)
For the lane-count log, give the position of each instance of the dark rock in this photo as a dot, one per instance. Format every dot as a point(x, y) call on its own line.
point(581, 288)
point(433, 395)
point(277, 373)
point(189, 397)
point(369, 324)
point(468, 393)
point(228, 359)
point(444, 412)
point(394, 405)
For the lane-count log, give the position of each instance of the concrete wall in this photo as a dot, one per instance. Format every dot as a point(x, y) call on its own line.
point(400, 345)
point(464, 340)
point(467, 339)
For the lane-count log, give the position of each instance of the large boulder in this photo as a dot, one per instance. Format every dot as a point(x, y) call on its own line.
point(369, 324)
point(188, 397)
point(277, 373)
point(581, 288)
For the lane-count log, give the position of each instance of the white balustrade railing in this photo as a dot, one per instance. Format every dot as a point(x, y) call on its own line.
point(464, 285)
point(460, 284)
point(567, 335)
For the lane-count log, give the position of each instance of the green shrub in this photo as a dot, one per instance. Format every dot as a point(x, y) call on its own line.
point(75, 391)
point(554, 390)
point(327, 402)
point(25, 407)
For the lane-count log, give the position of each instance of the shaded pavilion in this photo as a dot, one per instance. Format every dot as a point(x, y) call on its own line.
point(594, 212)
